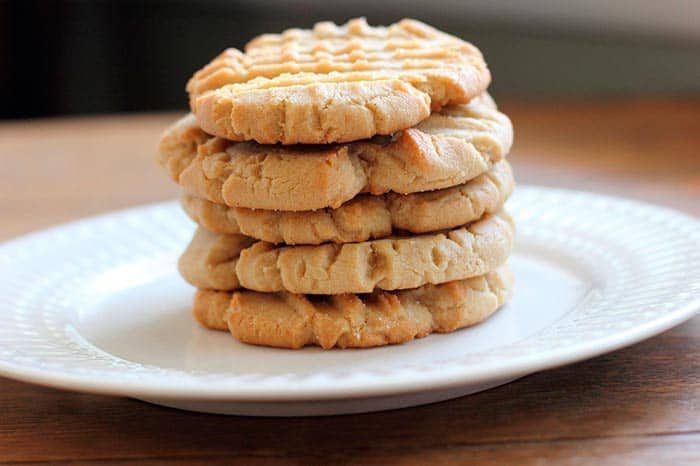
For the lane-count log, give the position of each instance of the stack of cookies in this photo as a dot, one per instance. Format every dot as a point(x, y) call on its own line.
point(348, 183)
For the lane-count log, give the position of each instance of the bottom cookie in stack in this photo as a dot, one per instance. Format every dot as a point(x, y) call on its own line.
point(289, 320)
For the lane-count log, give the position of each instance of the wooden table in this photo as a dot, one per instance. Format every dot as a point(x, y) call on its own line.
point(640, 405)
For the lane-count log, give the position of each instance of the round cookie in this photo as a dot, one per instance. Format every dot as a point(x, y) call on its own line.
point(388, 264)
point(287, 320)
point(335, 83)
point(364, 217)
point(447, 149)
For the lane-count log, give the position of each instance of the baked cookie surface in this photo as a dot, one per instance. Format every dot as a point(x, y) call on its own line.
point(289, 320)
point(308, 109)
point(330, 268)
point(335, 83)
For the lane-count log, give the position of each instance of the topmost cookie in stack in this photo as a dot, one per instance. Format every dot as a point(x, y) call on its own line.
point(335, 83)
point(334, 208)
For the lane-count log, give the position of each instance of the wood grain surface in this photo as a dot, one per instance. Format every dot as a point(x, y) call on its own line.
point(640, 405)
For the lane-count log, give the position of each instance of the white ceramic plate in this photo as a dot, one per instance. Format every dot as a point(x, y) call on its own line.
point(97, 306)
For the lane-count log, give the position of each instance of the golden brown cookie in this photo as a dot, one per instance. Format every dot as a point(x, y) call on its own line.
point(335, 83)
point(308, 109)
point(331, 268)
point(287, 320)
point(364, 217)
point(449, 148)
point(388, 264)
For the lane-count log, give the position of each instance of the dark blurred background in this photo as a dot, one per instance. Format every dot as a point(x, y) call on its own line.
point(80, 57)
